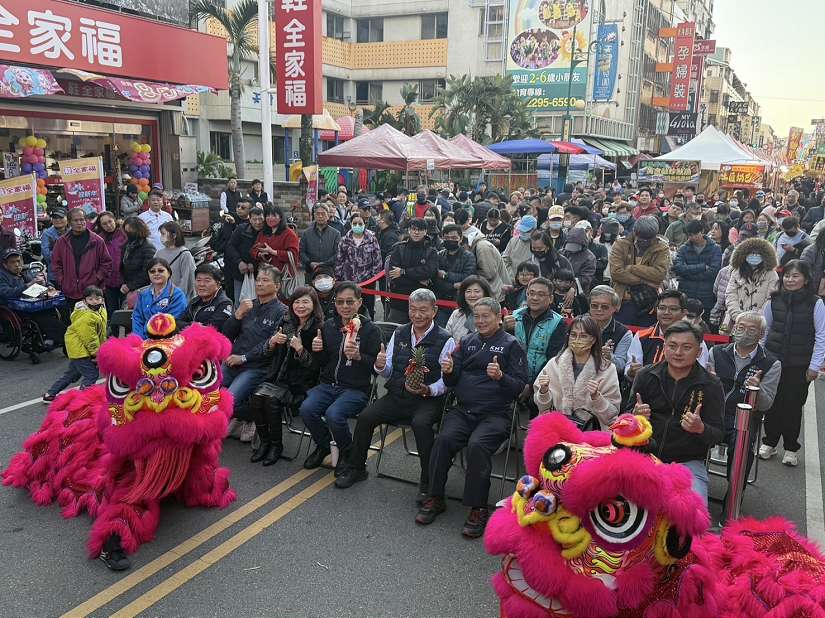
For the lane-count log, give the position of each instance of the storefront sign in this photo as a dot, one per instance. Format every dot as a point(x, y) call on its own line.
point(682, 172)
point(682, 123)
point(17, 82)
point(11, 164)
point(738, 107)
point(311, 174)
point(607, 62)
point(540, 52)
point(794, 142)
point(71, 35)
point(703, 47)
point(18, 198)
point(682, 59)
point(795, 171)
point(298, 56)
point(741, 176)
point(83, 183)
point(818, 163)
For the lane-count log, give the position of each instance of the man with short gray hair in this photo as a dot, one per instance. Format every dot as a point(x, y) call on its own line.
point(405, 402)
point(616, 338)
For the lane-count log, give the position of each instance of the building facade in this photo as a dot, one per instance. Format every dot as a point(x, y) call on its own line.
point(728, 104)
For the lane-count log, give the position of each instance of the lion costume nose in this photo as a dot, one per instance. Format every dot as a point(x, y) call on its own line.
point(157, 388)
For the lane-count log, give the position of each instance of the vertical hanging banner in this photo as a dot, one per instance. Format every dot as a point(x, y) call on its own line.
point(794, 142)
point(298, 56)
point(311, 174)
point(682, 61)
point(83, 183)
point(18, 197)
point(607, 62)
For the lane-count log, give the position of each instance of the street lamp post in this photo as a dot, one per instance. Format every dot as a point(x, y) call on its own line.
point(567, 119)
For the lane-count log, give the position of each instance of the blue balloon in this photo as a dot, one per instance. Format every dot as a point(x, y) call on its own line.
point(27, 168)
point(144, 169)
point(40, 167)
point(44, 174)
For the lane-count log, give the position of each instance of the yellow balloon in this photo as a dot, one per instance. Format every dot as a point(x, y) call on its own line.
point(31, 140)
point(135, 147)
point(147, 148)
point(41, 143)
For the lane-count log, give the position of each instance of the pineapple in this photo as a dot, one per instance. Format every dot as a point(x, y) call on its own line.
point(415, 370)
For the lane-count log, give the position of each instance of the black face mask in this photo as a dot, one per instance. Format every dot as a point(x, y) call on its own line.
point(421, 198)
point(451, 245)
point(95, 307)
point(131, 236)
point(540, 255)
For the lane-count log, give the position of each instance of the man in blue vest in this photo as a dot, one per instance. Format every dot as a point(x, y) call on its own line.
point(421, 407)
point(540, 330)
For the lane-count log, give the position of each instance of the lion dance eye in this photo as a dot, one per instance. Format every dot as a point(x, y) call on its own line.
point(618, 520)
point(205, 376)
point(116, 388)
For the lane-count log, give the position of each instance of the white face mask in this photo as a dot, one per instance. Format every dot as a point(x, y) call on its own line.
point(324, 284)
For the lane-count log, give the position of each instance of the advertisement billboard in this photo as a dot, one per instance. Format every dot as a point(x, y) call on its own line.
point(794, 142)
point(682, 61)
point(18, 198)
point(741, 176)
point(607, 62)
point(670, 172)
point(83, 183)
point(540, 51)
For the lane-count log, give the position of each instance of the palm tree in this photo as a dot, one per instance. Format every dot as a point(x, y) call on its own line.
point(408, 119)
point(305, 141)
point(380, 114)
point(240, 23)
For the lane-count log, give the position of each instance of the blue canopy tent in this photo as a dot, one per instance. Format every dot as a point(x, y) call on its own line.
point(523, 147)
point(548, 161)
point(587, 147)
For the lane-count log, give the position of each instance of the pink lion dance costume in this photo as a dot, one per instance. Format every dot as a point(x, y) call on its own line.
point(153, 430)
point(600, 528)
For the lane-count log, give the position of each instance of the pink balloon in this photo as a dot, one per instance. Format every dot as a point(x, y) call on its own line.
point(40, 159)
point(32, 158)
point(27, 150)
point(39, 152)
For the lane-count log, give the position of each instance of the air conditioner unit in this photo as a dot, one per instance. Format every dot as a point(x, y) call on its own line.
point(346, 36)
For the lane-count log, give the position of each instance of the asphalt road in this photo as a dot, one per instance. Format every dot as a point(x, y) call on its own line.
point(292, 544)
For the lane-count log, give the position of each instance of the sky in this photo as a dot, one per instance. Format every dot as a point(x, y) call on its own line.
point(777, 50)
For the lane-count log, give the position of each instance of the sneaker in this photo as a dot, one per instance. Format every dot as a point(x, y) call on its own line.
point(316, 458)
point(431, 509)
point(47, 397)
point(350, 477)
point(247, 431)
point(113, 555)
point(790, 458)
point(766, 452)
point(233, 430)
point(475, 524)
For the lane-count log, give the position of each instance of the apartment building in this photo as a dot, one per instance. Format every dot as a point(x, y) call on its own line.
point(728, 104)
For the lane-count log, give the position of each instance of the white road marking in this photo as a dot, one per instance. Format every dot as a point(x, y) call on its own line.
point(30, 402)
point(814, 512)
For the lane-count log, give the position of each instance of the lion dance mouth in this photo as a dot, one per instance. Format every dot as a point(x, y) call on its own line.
point(153, 430)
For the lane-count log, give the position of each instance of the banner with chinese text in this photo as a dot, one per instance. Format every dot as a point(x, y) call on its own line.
point(298, 57)
point(794, 142)
point(83, 183)
point(607, 62)
point(741, 176)
point(540, 51)
point(682, 61)
point(687, 172)
point(311, 174)
point(18, 198)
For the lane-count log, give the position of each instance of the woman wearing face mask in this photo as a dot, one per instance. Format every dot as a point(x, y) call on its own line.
point(752, 278)
point(359, 258)
point(434, 227)
point(324, 283)
point(815, 256)
point(115, 238)
point(137, 252)
point(579, 383)
point(471, 290)
point(545, 255)
point(624, 217)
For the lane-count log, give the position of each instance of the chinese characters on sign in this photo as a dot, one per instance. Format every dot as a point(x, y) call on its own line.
point(18, 197)
point(682, 61)
point(298, 56)
point(680, 172)
point(83, 183)
point(607, 62)
point(741, 176)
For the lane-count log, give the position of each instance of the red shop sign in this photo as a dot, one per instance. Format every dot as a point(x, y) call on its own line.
point(298, 56)
point(682, 60)
point(67, 35)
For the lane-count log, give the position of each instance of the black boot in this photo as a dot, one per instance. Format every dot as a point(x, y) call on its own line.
point(316, 458)
point(343, 462)
point(260, 453)
point(276, 446)
point(113, 555)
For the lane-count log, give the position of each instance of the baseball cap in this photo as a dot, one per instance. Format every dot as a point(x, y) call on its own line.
point(59, 213)
point(555, 212)
point(584, 224)
point(11, 251)
point(527, 224)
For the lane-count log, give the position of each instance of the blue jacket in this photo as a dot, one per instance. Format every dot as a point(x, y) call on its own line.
point(172, 300)
point(47, 240)
point(11, 286)
point(697, 271)
point(542, 338)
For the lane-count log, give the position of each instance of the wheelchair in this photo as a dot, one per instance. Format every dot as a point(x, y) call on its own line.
point(18, 333)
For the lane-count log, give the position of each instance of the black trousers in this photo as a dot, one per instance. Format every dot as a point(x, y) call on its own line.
point(482, 435)
point(784, 419)
point(49, 323)
point(267, 414)
point(419, 412)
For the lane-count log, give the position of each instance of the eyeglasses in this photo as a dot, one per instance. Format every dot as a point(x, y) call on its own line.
point(668, 309)
point(600, 307)
point(534, 294)
point(157, 271)
point(349, 302)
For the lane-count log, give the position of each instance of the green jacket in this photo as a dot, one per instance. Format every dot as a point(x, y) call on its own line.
point(86, 333)
point(542, 339)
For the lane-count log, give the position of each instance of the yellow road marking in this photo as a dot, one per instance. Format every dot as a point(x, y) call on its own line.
point(107, 595)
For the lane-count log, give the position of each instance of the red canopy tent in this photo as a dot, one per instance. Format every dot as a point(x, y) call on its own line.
point(347, 124)
point(490, 160)
point(383, 148)
point(568, 147)
point(455, 157)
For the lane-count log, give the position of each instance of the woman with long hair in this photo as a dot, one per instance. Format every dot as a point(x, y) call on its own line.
point(276, 241)
point(471, 290)
point(579, 382)
point(795, 319)
point(292, 373)
point(160, 296)
point(134, 261)
point(115, 238)
point(752, 278)
point(719, 232)
point(179, 257)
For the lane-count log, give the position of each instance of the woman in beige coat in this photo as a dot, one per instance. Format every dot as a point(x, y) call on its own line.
point(579, 382)
point(752, 278)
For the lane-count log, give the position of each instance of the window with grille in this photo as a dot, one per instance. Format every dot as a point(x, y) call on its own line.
point(220, 143)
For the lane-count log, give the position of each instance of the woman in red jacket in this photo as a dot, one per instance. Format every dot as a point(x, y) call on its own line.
point(276, 241)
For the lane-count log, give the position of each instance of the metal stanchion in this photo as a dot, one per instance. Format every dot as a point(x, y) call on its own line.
point(741, 452)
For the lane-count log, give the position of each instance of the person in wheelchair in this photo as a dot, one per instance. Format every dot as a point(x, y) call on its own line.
point(487, 373)
point(12, 285)
point(404, 402)
point(291, 374)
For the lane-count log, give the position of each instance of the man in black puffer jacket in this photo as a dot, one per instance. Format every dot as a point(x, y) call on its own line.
point(238, 260)
point(413, 264)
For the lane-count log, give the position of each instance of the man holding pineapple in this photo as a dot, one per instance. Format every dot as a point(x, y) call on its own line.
point(411, 362)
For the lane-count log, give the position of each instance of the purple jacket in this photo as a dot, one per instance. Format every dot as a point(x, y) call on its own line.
point(114, 245)
point(94, 269)
point(358, 262)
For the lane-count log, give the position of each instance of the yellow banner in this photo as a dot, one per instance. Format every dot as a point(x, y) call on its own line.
point(89, 168)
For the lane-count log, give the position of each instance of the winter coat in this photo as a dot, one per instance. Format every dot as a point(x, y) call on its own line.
point(419, 261)
point(676, 233)
point(86, 333)
point(457, 266)
point(490, 266)
point(283, 243)
point(183, 268)
point(746, 292)
point(517, 252)
point(301, 371)
point(129, 207)
point(814, 256)
point(720, 286)
point(11, 286)
point(115, 243)
point(134, 261)
point(47, 240)
point(250, 335)
point(94, 268)
point(697, 271)
point(318, 246)
point(799, 242)
point(583, 262)
point(542, 337)
point(550, 263)
point(569, 394)
point(213, 313)
point(387, 239)
point(238, 250)
point(460, 324)
point(171, 300)
point(335, 369)
point(358, 262)
point(499, 237)
point(651, 269)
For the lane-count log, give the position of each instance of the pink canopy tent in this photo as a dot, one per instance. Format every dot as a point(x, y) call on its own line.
point(347, 132)
point(490, 160)
point(455, 157)
point(383, 148)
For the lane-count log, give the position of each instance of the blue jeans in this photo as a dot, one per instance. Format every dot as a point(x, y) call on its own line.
point(83, 369)
point(242, 383)
point(700, 477)
point(336, 404)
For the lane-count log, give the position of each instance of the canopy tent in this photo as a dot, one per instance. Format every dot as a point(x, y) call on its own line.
point(490, 160)
point(611, 148)
point(523, 146)
point(712, 148)
point(578, 161)
point(383, 148)
point(587, 147)
point(568, 147)
point(322, 122)
point(345, 133)
point(455, 157)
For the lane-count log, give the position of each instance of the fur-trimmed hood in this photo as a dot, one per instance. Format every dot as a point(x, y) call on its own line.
point(754, 245)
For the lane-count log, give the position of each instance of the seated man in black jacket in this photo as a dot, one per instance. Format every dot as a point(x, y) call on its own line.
point(211, 306)
point(345, 351)
point(455, 264)
point(487, 372)
point(684, 403)
point(420, 407)
point(413, 264)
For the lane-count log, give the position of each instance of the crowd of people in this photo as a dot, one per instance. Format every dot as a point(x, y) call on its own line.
point(592, 302)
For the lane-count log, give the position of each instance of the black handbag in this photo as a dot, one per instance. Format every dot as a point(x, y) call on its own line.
point(644, 296)
point(275, 390)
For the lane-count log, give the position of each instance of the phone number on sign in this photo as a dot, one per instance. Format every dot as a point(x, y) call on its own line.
point(547, 102)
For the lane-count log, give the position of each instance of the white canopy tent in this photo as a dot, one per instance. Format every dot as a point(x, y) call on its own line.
point(712, 148)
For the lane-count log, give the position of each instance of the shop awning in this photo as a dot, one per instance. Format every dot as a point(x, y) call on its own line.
point(611, 148)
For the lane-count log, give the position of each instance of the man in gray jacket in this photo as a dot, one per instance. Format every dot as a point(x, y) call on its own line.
point(319, 243)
